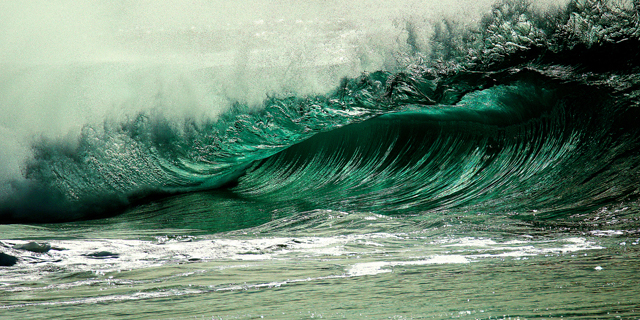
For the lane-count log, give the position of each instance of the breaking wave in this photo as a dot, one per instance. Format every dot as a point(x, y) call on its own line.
point(530, 113)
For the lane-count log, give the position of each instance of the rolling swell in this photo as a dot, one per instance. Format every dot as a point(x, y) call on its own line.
point(531, 114)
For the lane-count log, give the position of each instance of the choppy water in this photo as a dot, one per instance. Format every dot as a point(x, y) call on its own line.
point(484, 166)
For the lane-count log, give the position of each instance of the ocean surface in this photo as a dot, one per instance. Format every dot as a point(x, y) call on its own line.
point(279, 160)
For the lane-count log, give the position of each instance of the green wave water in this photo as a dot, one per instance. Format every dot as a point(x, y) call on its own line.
point(495, 175)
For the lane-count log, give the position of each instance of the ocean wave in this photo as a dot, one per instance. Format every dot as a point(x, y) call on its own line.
point(529, 113)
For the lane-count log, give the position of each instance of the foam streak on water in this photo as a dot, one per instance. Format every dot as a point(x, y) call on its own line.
point(123, 270)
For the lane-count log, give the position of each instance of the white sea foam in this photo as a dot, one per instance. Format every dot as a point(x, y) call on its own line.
point(103, 256)
point(377, 267)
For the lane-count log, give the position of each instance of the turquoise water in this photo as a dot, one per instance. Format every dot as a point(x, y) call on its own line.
point(483, 167)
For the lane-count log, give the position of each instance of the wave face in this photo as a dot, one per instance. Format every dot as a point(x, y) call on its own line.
point(530, 113)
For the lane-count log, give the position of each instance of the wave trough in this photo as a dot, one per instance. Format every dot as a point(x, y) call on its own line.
point(530, 113)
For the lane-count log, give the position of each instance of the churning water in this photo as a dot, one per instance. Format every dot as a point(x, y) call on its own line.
point(272, 159)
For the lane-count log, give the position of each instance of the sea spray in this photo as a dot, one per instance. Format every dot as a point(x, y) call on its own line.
point(110, 65)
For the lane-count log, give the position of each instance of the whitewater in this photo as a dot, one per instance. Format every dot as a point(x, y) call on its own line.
point(274, 159)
